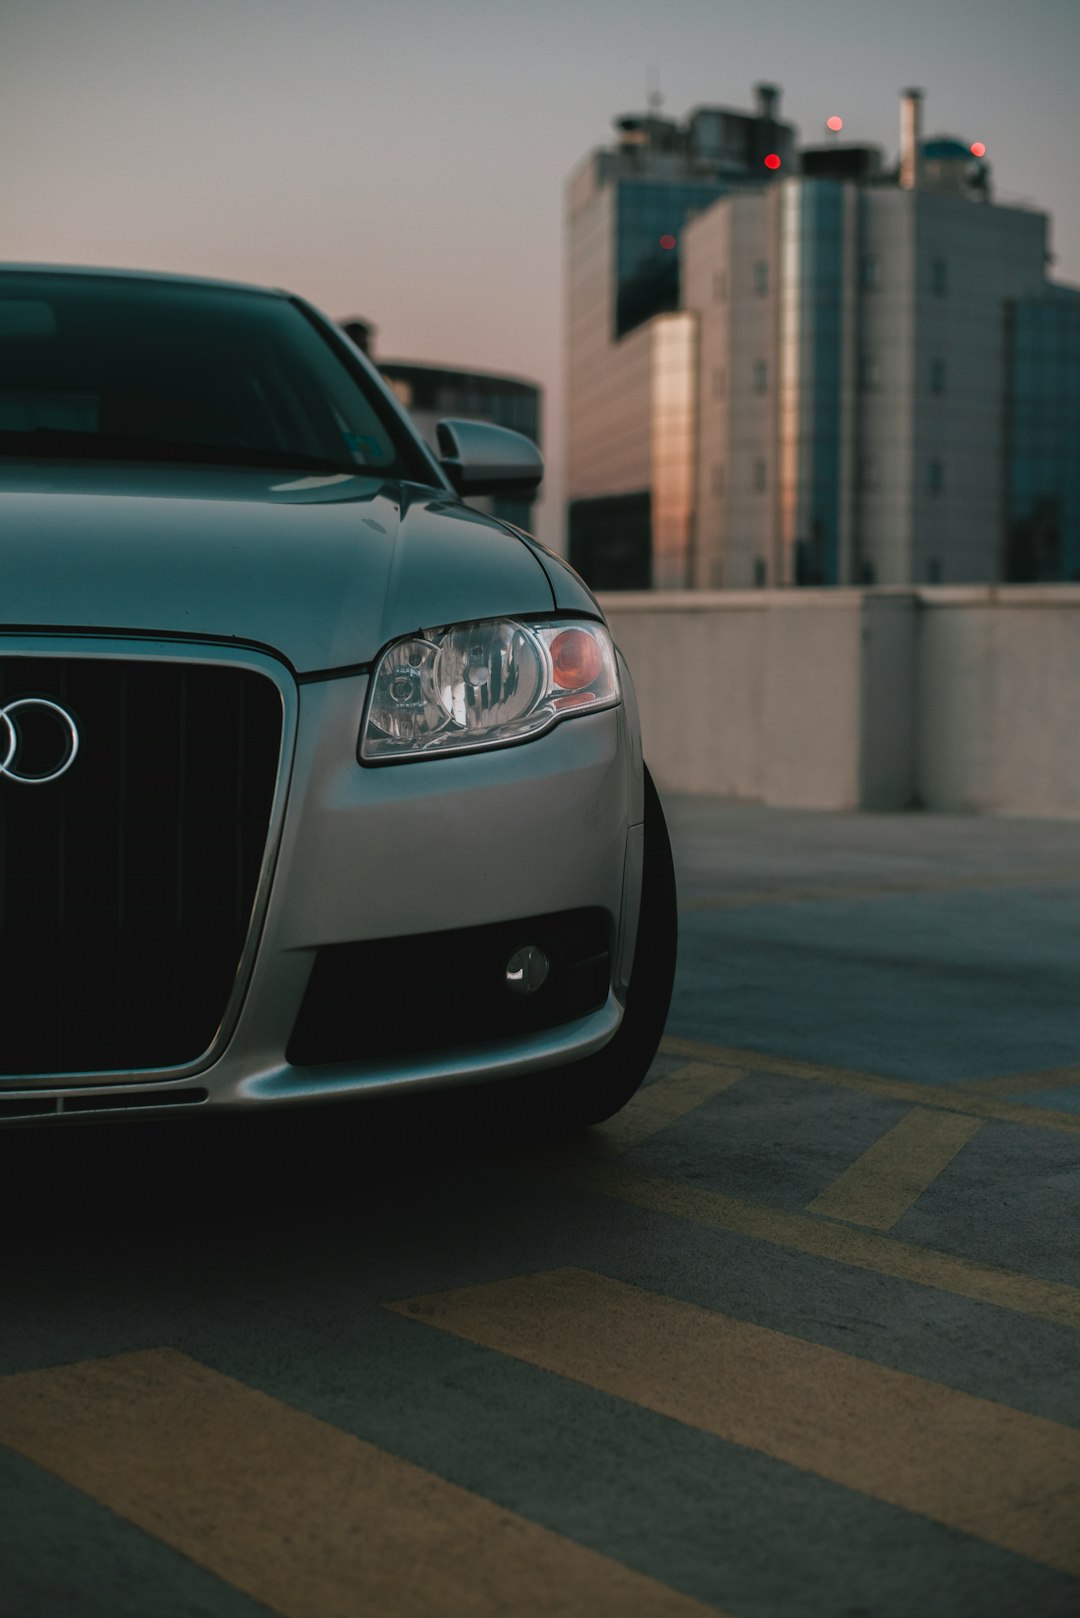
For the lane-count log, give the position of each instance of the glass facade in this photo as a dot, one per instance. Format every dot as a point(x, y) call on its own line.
point(674, 384)
point(608, 444)
point(811, 377)
point(1043, 500)
point(649, 215)
point(610, 540)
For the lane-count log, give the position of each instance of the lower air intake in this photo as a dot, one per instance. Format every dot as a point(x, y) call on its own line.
point(440, 991)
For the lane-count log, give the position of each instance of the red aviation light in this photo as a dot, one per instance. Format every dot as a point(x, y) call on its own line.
point(978, 149)
point(667, 241)
point(576, 660)
point(772, 161)
point(834, 123)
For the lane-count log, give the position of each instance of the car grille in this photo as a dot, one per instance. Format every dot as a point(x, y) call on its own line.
point(127, 885)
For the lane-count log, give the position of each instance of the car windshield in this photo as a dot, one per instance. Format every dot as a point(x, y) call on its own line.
point(120, 368)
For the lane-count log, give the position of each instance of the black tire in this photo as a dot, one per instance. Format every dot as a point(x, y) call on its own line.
point(587, 1092)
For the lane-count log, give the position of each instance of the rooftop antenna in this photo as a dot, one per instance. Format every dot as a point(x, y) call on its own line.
point(654, 97)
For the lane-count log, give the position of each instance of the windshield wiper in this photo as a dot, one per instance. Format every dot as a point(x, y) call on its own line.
point(61, 443)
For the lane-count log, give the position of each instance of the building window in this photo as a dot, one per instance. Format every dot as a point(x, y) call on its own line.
point(868, 470)
point(719, 286)
point(719, 480)
point(939, 277)
point(761, 572)
point(869, 375)
point(937, 376)
point(933, 570)
point(761, 377)
point(759, 476)
point(870, 273)
point(761, 277)
point(936, 479)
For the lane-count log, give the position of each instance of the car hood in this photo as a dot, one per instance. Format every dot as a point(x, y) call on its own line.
point(322, 569)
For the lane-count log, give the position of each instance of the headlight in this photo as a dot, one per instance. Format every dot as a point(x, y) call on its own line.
point(484, 685)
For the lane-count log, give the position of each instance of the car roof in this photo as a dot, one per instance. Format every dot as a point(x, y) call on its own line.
point(166, 276)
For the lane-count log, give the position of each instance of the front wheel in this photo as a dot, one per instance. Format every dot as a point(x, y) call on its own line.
point(588, 1092)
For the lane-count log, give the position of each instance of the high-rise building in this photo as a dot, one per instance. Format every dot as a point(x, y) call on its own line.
point(631, 349)
point(825, 397)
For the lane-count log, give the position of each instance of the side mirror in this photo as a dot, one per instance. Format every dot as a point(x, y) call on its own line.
point(480, 458)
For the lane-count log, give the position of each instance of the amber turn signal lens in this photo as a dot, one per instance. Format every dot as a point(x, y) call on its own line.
point(576, 660)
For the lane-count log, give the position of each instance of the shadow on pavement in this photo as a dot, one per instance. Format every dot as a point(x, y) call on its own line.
point(299, 1166)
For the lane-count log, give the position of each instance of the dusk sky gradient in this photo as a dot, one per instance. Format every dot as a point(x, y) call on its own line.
point(405, 161)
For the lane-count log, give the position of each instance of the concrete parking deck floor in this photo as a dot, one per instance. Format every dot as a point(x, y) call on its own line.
point(797, 1335)
point(941, 948)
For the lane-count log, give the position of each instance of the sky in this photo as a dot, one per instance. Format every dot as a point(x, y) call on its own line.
point(405, 160)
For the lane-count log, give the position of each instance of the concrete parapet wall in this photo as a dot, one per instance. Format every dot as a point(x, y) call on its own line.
point(953, 698)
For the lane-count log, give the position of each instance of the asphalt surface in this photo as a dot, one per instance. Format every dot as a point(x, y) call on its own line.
point(796, 1336)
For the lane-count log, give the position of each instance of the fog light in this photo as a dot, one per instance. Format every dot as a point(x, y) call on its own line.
point(527, 969)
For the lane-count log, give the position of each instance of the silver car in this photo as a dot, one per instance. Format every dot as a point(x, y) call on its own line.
point(315, 783)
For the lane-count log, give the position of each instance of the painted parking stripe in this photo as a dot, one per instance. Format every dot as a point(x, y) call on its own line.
point(953, 1098)
point(665, 1102)
point(871, 1250)
point(1014, 1084)
point(305, 1518)
point(881, 1185)
point(998, 1474)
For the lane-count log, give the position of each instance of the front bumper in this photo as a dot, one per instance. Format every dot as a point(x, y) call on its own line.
point(359, 854)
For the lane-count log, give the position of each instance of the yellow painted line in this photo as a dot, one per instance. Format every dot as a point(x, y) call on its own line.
point(953, 1098)
point(881, 1185)
point(664, 1103)
point(305, 1518)
point(1049, 1078)
point(804, 1233)
point(833, 892)
point(1003, 1476)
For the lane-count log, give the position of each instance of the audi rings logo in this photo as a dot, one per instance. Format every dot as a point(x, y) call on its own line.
point(38, 741)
